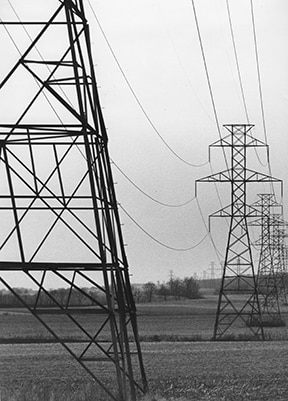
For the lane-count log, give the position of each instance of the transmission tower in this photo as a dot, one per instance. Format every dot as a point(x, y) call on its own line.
point(60, 225)
point(267, 282)
point(280, 255)
point(238, 273)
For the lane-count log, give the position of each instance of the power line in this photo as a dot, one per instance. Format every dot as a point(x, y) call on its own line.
point(237, 61)
point(167, 205)
point(239, 74)
point(147, 195)
point(260, 88)
point(258, 70)
point(148, 118)
point(136, 97)
point(206, 67)
point(157, 132)
point(217, 252)
point(207, 75)
point(210, 91)
point(184, 69)
point(159, 242)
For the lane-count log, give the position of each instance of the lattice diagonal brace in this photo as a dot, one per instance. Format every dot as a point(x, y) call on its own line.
point(60, 225)
point(238, 272)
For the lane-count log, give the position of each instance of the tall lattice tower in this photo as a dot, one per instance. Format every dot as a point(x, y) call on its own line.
point(267, 282)
point(238, 273)
point(60, 225)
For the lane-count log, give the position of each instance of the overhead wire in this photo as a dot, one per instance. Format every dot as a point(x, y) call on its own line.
point(143, 192)
point(207, 76)
point(136, 97)
point(239, 75)
point(237, 61)
point(159, 242)
point(185, 71)
point(217, 252)
point(157, 132)
point(168, 205)
point(258, 70)
point(146, 194)
point(211, 95)
point(141, 106)
point(260, 89)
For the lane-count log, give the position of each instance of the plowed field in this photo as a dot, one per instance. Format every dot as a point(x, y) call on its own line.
point(195, 370)
point(184, 371)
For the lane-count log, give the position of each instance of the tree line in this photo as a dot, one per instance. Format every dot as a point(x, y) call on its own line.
point(51, 298)
point(174, 289)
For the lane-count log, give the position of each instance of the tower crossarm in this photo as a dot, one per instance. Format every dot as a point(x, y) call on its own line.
point(227, 212)
point(256, 176)
point(226, 176)
point(228, 141)
point(222, 176)
point(269, 200)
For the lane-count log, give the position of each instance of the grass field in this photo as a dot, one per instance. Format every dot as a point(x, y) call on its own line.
point(176, 370)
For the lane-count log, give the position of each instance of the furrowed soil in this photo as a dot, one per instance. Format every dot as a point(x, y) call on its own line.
point(176, 369)
point(184, 371)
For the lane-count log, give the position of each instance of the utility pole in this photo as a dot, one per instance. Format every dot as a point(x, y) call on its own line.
point(238, 272)
point(59, 213)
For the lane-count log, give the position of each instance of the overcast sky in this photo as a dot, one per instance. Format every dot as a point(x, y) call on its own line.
point(157, 47)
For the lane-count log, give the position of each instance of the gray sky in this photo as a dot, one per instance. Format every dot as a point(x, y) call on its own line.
point(156, 45)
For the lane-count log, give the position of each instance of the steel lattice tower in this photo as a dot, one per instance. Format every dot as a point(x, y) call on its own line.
point(238, 272)
point(279, 255)
point(267, 285)
point(59, 216)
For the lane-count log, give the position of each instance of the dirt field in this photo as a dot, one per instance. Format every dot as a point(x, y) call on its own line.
point(195, 370)
point(190, 371)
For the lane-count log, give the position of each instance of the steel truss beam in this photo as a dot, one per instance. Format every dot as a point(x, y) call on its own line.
point(238, 273)
point(59, 218)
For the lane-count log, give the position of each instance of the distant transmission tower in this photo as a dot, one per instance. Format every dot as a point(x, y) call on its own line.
point(279, 249)
point(60, 225)
point(238, 272)
point(267, 283)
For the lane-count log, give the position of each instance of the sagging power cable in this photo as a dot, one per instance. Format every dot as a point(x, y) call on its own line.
point(136, 97)
point(217, 252)
point(260, 88)
point(159, 242)
point(207, 75)
point(239, 74)
point(145, 193)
